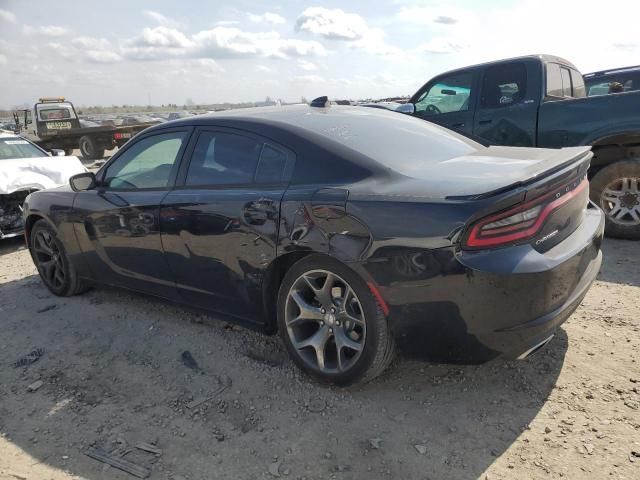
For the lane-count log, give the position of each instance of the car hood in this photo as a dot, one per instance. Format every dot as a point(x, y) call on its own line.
point(37, 173)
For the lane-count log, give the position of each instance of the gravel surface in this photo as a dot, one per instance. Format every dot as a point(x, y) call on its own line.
point(107, 371)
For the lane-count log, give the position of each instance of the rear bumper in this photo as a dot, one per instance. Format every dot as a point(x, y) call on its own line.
point(471, 307)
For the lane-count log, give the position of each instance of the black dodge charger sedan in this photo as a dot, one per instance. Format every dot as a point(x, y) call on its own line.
point(342, 228)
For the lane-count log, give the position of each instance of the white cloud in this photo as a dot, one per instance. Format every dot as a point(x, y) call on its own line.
point(440, 45)
point(428, 16)
point(308, 79)
point(267, 17)
point(307, 66)
point(45, 30)
point(91, 42)
point(160, 43)
point(8, 16)
point(332, 23)
point(159, 18)
point(102, 56)
point(226, 23)
point(3, 59)
point(161, 37)
point(264, 68)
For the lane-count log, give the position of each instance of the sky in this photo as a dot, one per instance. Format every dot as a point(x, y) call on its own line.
point(163, 51)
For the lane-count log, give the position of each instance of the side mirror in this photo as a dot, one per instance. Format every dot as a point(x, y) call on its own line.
point(82, 182)
point(409, 108)
point(56, 152)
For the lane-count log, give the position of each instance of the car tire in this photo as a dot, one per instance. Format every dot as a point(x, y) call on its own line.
point(613, 189)
point(357, 324)
point(50, 258)
point(89, 148)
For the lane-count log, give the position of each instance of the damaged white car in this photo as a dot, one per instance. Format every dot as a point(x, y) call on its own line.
point(25, 168)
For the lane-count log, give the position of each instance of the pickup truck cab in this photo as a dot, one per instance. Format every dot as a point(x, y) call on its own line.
point(541, 101)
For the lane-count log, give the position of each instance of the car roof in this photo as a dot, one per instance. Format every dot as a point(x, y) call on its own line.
point(367, 133)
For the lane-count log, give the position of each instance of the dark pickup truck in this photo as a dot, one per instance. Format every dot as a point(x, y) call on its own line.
point(541, 101)
point(53, 123)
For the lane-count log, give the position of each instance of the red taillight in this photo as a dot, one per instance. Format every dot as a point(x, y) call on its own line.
point(521, 222)
point(117, 136)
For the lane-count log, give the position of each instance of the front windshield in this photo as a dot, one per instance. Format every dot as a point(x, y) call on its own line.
point(16, 147)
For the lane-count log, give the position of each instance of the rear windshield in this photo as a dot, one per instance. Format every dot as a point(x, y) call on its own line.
point(15, 147)
point(400, 142)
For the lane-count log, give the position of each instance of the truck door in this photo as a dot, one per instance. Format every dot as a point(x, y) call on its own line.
point(448, 101)
point(508, 105)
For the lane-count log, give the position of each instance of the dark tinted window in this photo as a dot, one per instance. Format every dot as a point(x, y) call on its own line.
point(223, 159)
point(148, 163)
point(272, 165)
point(554, 80)
point(504, 85)
point(448, 94)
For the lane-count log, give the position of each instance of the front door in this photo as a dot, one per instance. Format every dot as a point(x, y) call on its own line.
point(121, 229)
point(447, 101)
point(220, 227)
point(507, 111)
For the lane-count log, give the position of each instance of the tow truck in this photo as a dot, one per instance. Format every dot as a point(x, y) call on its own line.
point(53, 123)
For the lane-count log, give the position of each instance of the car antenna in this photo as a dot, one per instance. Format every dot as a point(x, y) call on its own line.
point(320, 102)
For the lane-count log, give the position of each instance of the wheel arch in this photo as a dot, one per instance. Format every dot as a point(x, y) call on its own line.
point(279, 268)
point(610, 148)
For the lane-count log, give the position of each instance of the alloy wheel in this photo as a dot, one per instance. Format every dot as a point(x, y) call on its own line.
point(620, 200)
point(325, 321)
point(49, 259)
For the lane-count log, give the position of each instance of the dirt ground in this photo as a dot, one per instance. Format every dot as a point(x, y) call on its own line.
point(112, 376)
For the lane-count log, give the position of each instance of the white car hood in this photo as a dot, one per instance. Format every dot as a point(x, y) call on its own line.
point(37, 173)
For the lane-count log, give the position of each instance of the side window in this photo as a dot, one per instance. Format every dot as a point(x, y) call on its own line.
point(504, 85)
point(579, 90)
point(148, 163)
point(554, 80)
point(450, 94)
point(272, 165)
point(566, 82)
point(221, 158)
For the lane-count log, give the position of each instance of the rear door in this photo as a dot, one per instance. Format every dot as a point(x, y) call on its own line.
point(508, 104)
point(121, 229)
point(220, 223)
point(448, 101)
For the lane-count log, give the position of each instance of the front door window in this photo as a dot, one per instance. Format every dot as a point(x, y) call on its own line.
point(449, 94)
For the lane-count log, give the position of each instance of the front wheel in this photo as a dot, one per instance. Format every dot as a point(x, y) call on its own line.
point(331, 324)
point(51, 259)
point(616, 190)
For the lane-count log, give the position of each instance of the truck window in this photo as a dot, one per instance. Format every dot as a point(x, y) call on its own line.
point(579, 90)
point(449, 94)
point(554, 80)
point(566, 82)
point(504, 85)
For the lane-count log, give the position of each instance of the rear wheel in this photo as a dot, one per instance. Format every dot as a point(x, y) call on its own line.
point(50, 257)
point(90, 149)
point(616, 189)
point(331, 323)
